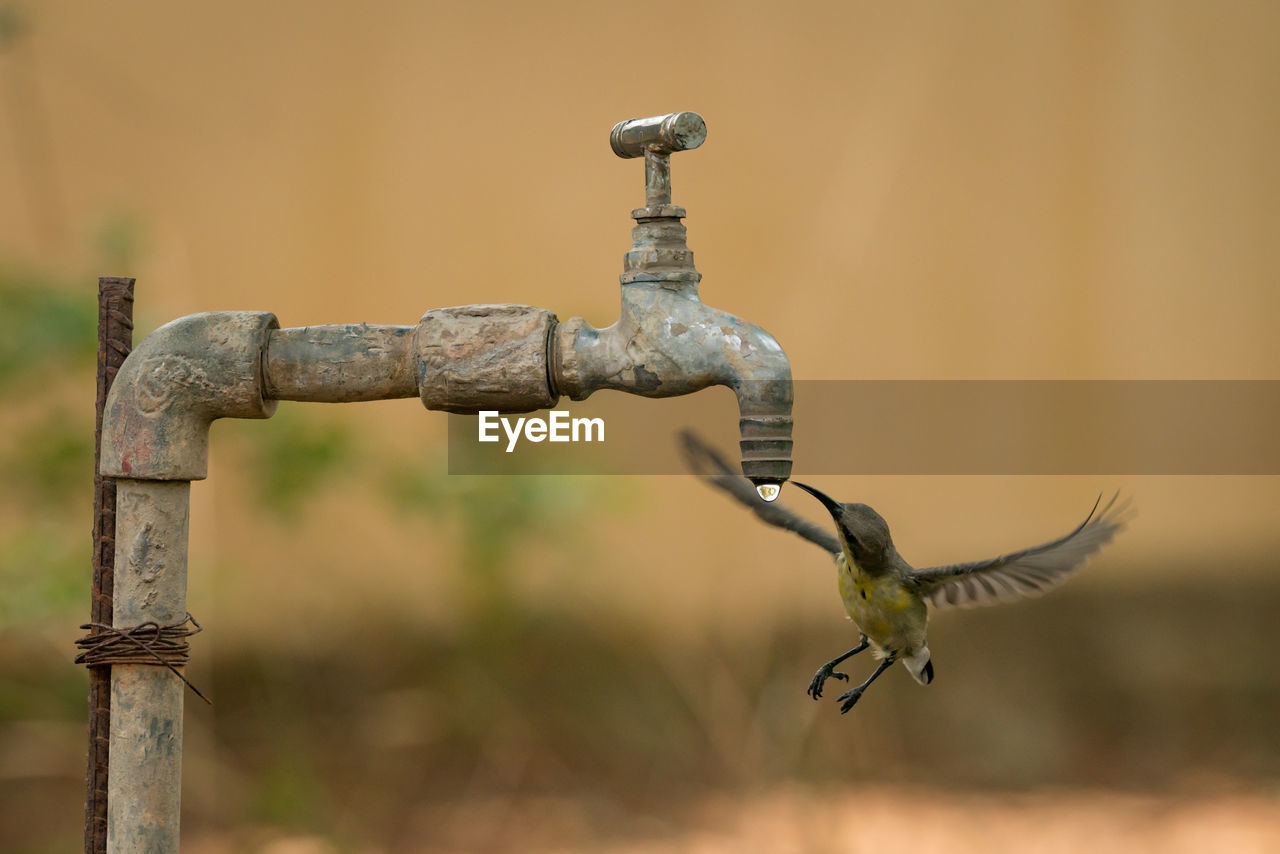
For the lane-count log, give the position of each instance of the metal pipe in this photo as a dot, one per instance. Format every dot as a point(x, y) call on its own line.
point(145, 785)
point(340, 363)
point(657, 179)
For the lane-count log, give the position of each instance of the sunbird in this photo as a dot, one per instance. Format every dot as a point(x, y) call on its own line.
point(887, 598)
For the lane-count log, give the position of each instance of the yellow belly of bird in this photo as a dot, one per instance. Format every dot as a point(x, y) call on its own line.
point(889, 615)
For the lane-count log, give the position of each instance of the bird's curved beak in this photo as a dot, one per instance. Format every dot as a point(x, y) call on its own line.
point(833, 507)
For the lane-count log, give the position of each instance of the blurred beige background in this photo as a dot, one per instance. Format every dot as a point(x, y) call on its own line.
point(938, 191)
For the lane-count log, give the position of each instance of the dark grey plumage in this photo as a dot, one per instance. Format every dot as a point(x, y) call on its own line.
point(1026, 573)
point(703, 460)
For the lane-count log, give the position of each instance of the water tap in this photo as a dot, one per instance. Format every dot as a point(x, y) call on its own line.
point(666, 341)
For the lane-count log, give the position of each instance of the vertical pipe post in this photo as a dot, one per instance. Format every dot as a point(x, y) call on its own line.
point(155, 441)
point(144, 792)
point(115, 340)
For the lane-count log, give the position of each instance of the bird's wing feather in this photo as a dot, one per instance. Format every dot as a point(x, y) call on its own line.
point(702, 460)
point(1030, 572)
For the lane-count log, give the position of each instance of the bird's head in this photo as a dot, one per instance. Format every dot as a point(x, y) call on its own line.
point(862, 529)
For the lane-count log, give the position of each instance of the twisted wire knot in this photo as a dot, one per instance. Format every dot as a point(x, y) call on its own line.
point(147, 643)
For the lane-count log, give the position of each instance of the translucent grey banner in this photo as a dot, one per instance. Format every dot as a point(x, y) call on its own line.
point(1003, 427)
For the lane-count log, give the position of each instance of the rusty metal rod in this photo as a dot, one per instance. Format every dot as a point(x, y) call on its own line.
point(115, 339)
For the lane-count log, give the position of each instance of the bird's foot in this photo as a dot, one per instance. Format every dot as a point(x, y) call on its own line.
point(825, 672)
point(850, 697)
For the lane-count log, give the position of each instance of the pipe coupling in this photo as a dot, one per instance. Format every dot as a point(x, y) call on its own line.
point(475, 357)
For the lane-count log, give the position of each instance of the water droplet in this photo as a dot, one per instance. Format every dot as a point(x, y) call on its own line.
point(768, 491)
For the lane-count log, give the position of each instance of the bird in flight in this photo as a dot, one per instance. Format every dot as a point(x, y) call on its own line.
point(887, 598)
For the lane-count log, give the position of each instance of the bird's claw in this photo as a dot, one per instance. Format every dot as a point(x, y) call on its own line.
point(850, 697)
point(824, 673)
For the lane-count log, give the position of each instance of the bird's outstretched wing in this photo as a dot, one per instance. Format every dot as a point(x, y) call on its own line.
point(1030, 572)
point(702, 460)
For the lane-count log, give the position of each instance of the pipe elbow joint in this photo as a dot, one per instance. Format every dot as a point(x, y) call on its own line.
point(174, 384)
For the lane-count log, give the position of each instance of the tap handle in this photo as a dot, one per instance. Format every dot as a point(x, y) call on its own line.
point(658, 134)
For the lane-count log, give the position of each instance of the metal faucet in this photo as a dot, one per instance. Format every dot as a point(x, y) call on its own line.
point(666, 341)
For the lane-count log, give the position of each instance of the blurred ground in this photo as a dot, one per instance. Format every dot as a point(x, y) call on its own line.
point(795, 820)
point(552, 731)
point(406, 661)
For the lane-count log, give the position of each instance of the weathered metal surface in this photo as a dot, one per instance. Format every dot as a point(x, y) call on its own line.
point(655, 139)
point(175, 383)
point(115, 338)
point(659, 252)
point(666, 342)
point(341, 363)
point(476, 357)
point(146, 701)
point(664, 134)
point(657, 179)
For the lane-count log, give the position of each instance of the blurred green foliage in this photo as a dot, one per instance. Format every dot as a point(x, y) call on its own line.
point(288, 793)
point(46, 326)
point(52, 460)
point(48, 338)
point(13, 25)
point(294, 454)
point(49, 321)
point(44, 571)
point(496, 517)
point(48, 342)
